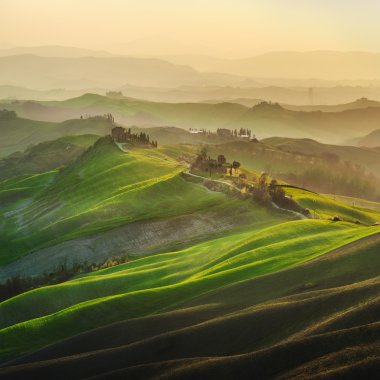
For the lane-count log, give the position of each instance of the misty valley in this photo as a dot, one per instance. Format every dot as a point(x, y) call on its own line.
point(186, 210)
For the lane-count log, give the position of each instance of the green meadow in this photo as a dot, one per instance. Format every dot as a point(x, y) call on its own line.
point(327, 207)
point(155, 283)
point(104, 188)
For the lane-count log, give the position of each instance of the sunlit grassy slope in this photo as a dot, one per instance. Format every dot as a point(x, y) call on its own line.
point(356, 202)
point(151, 284)
point(103, 189)
point(328, 207)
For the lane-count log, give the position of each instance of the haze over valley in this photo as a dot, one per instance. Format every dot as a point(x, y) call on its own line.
point(189, 190)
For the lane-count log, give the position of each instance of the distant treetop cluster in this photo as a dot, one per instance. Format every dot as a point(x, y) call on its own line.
point(107, 116)
point(242, 133)
point(114, 94)
point(268, 106)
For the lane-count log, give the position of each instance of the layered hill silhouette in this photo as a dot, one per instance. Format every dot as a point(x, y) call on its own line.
point(371, 140)
point(265, 119)
point(314, 64)
point(28, 70)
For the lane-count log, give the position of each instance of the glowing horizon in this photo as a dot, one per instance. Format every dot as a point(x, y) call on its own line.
point(220, 28)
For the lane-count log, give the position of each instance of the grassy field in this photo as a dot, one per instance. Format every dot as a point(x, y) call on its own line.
point(265, 289)
point(327, 207)
point(356, 202)
point(152, 284)
point(45, 156)
point(104, 189)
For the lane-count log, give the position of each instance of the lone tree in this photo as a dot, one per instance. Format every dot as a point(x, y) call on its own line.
point(203, 152)
point(263, 180)
point(236, 165)
point(221, 159)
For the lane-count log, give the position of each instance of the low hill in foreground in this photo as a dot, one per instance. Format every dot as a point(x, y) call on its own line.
point(204, 309)
point(211, 279)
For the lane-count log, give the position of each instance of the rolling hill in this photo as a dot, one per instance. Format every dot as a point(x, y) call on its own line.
point(18, 133)
point(248, 102)
point(323, 168)
point(371, 140)
point(367, 158)
point(161, 281)
point(327, 207)
point(211, 283)
point(243, 294)
point(45, 156)
point(96, 202)
point(264, 119)
point(357, 104)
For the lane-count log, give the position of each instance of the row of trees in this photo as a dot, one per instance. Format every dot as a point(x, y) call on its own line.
point(120, 134)
point(107, 116)
point(141, 138)
point(224, 132)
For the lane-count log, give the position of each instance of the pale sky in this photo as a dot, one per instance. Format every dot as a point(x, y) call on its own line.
point(235, 28)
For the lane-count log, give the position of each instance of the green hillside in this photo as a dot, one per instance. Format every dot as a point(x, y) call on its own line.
point(356, 202)
point(104, 189)
point(45, 156)
point(363, 156)
point(18, 134)
point(151, 284)
point(228, 277)
point(327, 207)
point(323, 168)
point(98, 192)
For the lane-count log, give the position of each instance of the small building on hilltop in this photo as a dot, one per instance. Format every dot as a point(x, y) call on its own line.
point(207, 164)
point(122, 135)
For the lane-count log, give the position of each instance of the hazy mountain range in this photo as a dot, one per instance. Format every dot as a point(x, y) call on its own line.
point(106, 72)
point(264, 119)
point(330, 65)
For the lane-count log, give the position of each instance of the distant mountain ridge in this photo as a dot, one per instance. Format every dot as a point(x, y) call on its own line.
point(265, 120)
point(38, 72)
point(330, 65)
point(55, 51)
